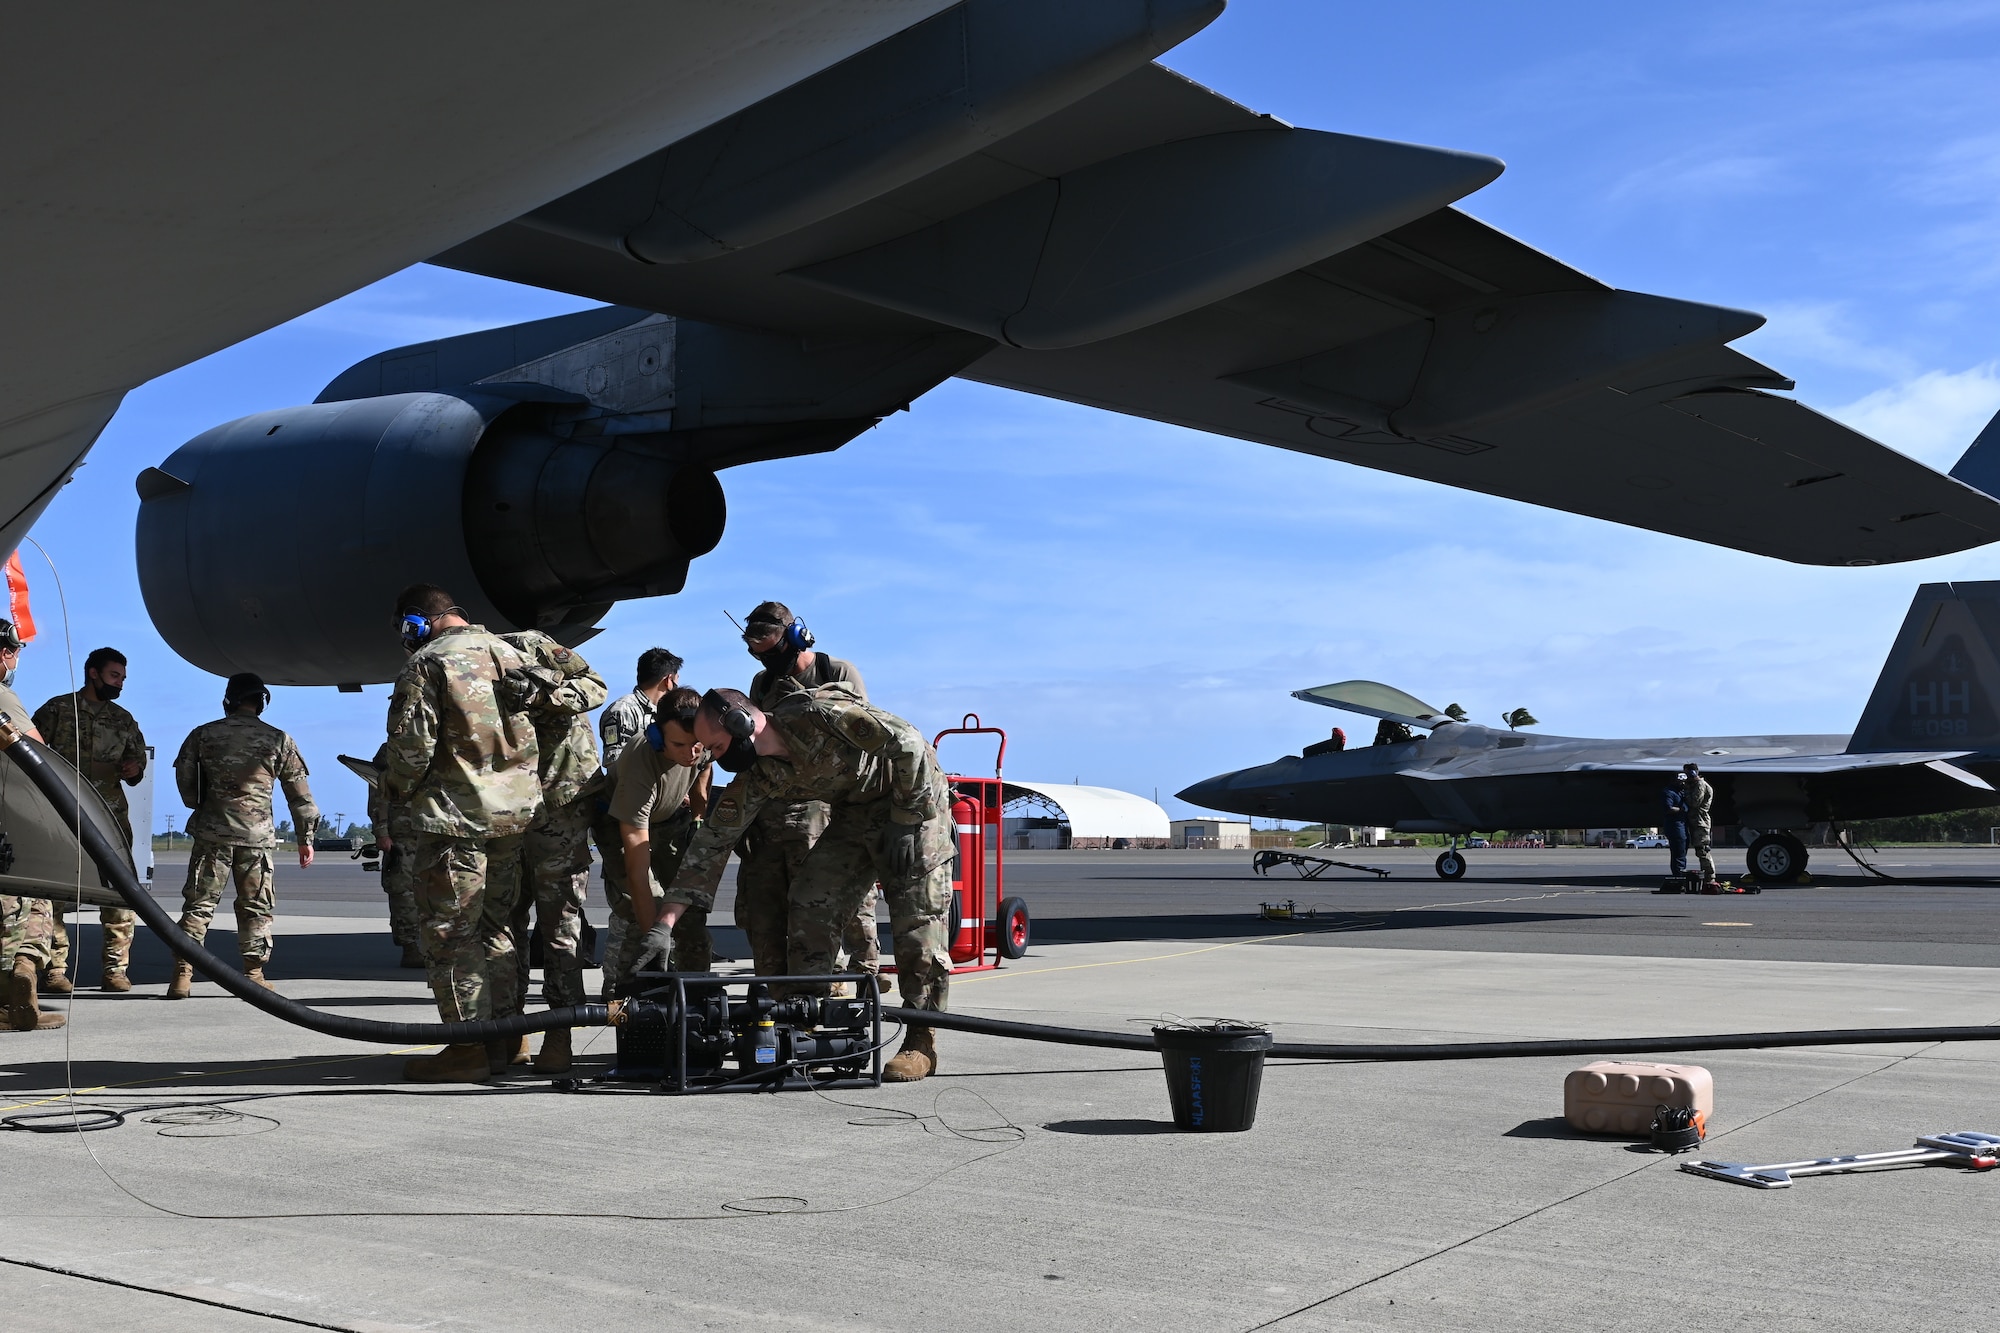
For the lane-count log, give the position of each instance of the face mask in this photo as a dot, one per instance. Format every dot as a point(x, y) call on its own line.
point(739, 756)
point(109, 692)
point(7, 678)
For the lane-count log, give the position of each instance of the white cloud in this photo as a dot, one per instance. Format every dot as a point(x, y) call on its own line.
point(1931, 417)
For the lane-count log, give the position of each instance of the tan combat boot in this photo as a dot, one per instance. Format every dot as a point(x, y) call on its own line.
point(464, 1063)
point(24, 1007)
point(554, 1057)
point(917, 1059)
point(253, 968)
point(57, 982)
point(182, 985)
point(117, 981)
point(506, 1051)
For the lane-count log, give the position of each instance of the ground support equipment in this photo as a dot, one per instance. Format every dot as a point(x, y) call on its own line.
point(986, 925)
point(1309, 867)
point(687, 1032)
point(1968, 1148)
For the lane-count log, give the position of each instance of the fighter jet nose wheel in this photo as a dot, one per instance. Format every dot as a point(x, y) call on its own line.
point(1450, 865)
point(1777, 858)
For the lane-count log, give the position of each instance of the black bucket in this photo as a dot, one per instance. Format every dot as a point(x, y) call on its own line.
point(1213, 1075)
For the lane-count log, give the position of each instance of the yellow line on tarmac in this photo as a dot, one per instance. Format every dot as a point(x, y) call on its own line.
point(215, 1073)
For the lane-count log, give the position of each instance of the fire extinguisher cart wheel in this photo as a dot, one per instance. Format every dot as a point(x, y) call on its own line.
point(1011, 930)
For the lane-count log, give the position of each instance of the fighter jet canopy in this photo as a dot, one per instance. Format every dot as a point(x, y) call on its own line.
point(1376, 700)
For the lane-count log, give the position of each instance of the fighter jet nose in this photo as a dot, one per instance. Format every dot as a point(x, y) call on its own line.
point(1207, 794)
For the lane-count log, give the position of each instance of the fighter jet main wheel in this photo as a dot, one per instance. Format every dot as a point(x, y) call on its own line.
point(1777, 858)
point(1450, 865)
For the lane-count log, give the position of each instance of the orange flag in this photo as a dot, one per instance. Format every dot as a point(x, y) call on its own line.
point(17, 599)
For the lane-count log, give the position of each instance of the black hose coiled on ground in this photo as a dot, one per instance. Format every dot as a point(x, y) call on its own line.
point(54, 782)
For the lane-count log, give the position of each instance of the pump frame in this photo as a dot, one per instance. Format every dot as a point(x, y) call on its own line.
point(675, 1078)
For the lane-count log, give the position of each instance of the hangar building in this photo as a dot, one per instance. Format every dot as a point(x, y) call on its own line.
point(1049, 815)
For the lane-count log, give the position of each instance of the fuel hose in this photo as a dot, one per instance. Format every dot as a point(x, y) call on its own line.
point(1383, 1052)
point(55, 782)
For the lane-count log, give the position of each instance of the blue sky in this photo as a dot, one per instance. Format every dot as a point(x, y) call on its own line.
point(1134, 601)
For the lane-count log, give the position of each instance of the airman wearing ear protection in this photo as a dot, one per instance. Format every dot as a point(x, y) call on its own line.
point(660, 786)
point(226, 770)
point(774, 851)
point(889, 822)
point(463, 754)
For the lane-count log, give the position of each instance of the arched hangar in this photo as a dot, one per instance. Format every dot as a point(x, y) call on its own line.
point(1048, 815)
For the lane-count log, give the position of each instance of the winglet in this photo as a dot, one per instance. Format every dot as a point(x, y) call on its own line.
point(1979, 467)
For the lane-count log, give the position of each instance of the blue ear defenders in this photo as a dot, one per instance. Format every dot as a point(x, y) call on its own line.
point(797, 637)
point(415, 629)
point(655, 738)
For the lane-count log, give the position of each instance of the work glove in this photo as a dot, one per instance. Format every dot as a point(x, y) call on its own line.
point(657, 947)
point(902, 850)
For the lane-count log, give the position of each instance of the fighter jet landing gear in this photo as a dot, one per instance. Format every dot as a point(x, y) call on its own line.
point(1777, 858)
point(1451, 862)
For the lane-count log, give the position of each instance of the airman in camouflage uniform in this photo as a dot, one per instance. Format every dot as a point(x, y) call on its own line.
point(889, 821)
point(104, 742)
point(396, 837)
point(462, 753)
point(27, 925)
point(623, 721)
point(656, 792)
point(774, 850)
point(225, 771)
point(555, 854)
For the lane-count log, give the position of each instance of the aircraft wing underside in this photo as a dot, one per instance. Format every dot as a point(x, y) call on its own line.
point(1432, 346)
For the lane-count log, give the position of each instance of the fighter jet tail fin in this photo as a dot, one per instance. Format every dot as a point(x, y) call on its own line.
point(1979, 466)
point(1940, 688)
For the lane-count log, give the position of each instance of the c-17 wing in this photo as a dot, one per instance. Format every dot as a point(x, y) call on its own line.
point(1149, 249)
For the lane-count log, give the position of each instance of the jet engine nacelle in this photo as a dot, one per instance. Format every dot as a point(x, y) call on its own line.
point(538, 472)
point(276, 543)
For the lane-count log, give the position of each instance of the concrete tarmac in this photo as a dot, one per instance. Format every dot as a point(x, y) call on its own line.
point(1425, 1196)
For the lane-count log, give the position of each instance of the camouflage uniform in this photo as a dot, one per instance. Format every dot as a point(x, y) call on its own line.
point(877, 775)
point(651, 791)
point(98, 738)
point(1700, 803)
point(774, 851)
point(462, 754)
point(555, 854)
point(225, 771)
point(391, 819)
point(27, 925)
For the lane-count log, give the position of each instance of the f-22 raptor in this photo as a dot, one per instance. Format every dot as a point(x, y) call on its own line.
point(1928, 741)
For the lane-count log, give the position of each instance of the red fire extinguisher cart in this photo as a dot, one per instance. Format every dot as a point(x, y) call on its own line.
point(986, 925)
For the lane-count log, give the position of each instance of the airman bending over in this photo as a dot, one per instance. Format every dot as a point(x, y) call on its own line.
point(889, 822)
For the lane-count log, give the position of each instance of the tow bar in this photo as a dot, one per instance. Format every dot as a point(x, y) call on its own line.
point(1962, 1147)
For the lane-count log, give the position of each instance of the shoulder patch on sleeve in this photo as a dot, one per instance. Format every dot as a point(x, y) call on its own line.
point(560, 653)
point(726, 809)
point(860, 726)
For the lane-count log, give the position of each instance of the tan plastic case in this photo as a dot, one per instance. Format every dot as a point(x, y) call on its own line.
point(1619, 1096)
